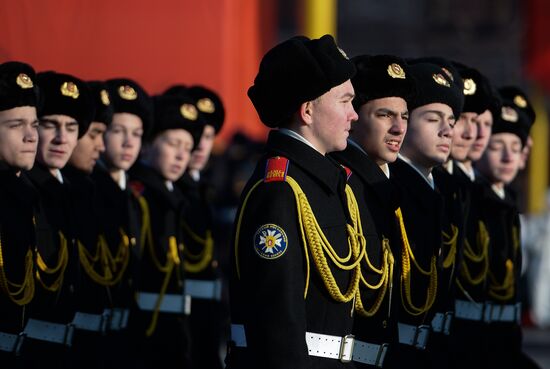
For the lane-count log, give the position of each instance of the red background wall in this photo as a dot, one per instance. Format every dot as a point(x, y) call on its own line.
point(212, 42)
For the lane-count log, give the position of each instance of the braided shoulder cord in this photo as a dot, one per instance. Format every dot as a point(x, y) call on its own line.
point(195, 263)
point(25, 290)
point(59, 269)
point(407, 256)
point(482, 240)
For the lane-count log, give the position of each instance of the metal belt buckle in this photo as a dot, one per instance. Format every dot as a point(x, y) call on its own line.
point(421, 335)
point(447, 322)
point(381, 355)
point(68, 339)
point(19, 343)
point(346, 348)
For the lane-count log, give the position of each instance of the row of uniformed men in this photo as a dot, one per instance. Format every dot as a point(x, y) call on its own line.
point(98, 262)
point(378, 230)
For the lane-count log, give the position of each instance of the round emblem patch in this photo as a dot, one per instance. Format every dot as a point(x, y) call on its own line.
point(270, 241)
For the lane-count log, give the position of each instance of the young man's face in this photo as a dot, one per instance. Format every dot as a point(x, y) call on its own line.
point(58, 135)
point(500, 162)
point(123, 141)
point(201, 154)
point(465, 132)
point(429, 135)
point(381, 127)
point(484, 122)
point(170, 153)
point(88, 148)
point(332, 115)
point(18, 137)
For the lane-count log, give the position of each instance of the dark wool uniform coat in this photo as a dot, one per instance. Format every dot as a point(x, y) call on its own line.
point(468, 337)
point(59, 216)
point(377, 201)
point(268, 296)
point(503, 338)
point(168, 346)
point(206, 322)
point(422, 208)
point(18, 206)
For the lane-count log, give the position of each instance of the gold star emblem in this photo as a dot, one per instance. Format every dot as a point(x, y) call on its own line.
point(206, 105)
point(440, 80)
point(24, 81)
point(395, 71)
point(127, 92)
point(470, 86)
point(520, 101)
point(509, 114)
point(104, 95)
point(69, 89)
point(188, 111)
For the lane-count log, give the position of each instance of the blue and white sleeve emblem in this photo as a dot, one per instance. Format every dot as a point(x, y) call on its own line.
point(270, 241)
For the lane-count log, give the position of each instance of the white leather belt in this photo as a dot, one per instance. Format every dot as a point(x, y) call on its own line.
point(502, 313)
point(11, 342)
point(91, 322)
point(441, 323)
point(169, 303)
point(332, 347)
point(48, 331)
point(345, 348)
point(370, 353)
point(468, 310)
point(119, 318)
point(204, 289)
point(414, 336)
point(487, 312)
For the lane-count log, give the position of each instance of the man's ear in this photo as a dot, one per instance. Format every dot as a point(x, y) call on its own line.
point(306, 112)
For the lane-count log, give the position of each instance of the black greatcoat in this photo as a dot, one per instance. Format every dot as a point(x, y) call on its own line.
point(422, 208)
point(18, 205)
point(503, 338)
point(168, 346)
point(207, 319)
point(268, 296)
point(377, 201)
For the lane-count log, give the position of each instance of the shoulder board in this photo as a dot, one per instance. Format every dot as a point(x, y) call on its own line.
point(136, 187)
point(348, 172)
point(275, 169)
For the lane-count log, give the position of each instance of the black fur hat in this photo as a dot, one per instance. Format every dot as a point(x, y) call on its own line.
point(517, 114)
point(177, 112)
point(296, 71)
point(103, 106)
point(65, 94)
point(381, 76)
point(519, 98)
point(445, 64)
point(127, 96)
point(210, 105)
point(479, 95)
point(433, 85)
point(17, 85)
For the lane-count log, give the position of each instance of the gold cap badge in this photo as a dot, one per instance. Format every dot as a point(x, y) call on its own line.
point(206, 105)
point(24, 81)
point(69, 89)
point(342, 52)
point(449, 74)
point(439, 79)
point(470, 86)
point(188, 111)
point(395, 71)
point(509, 114)
point(520, 101)
point(127, 92)
point(104, 95)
